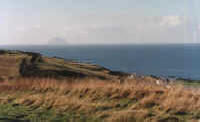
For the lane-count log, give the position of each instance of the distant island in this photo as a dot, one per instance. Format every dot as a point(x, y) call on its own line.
point(57, 41)
point(36, 87)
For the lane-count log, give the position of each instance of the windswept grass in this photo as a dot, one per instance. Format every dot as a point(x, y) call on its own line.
point(98, 100)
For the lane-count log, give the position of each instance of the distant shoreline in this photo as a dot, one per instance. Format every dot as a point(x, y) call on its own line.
point(159, 60)
point(126, 44)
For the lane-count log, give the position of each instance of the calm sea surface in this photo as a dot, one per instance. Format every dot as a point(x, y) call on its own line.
point(161, 60)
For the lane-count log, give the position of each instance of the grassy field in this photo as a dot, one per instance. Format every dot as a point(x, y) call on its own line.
point(94, 100)
point(36, 88)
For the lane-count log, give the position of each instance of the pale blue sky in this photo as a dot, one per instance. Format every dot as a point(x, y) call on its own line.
point(99, 21)
point(154, 7)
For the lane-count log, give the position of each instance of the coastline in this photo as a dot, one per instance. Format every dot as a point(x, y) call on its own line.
point(120, 73)
point(157, 60)
point(53, 89)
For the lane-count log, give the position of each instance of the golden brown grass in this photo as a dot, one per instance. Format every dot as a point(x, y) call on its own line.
point(134, 99)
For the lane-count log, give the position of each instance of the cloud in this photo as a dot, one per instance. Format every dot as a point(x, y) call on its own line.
point(130, 29)
point(100, 29)
point(171, 21)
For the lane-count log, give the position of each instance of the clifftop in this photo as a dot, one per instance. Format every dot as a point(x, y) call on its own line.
point(27, 64)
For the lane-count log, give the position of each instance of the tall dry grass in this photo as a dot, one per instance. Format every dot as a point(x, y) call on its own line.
point(134, 98)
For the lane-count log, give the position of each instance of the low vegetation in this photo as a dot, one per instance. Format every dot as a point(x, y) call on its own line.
point(94, 100)
point(14, 64)
point(36, 88)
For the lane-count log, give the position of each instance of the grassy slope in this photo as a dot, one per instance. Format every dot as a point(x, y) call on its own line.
point(88, 98)
point(40, 66)
point(9, 64)
point(92, 100)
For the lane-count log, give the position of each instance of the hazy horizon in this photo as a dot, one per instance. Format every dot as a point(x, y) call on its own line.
point(96, 44)
point(36, 22)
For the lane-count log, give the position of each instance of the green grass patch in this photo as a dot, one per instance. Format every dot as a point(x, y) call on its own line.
point(14, 112)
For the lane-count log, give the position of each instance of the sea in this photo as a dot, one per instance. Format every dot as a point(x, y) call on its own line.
point(167, 60)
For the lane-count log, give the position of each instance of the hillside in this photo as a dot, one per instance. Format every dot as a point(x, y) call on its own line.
point(15, 64)
point(94, 100)
point(36, 88)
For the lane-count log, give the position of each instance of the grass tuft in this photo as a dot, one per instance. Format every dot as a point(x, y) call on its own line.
point(92, 99)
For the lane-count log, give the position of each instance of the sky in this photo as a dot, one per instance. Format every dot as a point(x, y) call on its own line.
point(99, 21)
